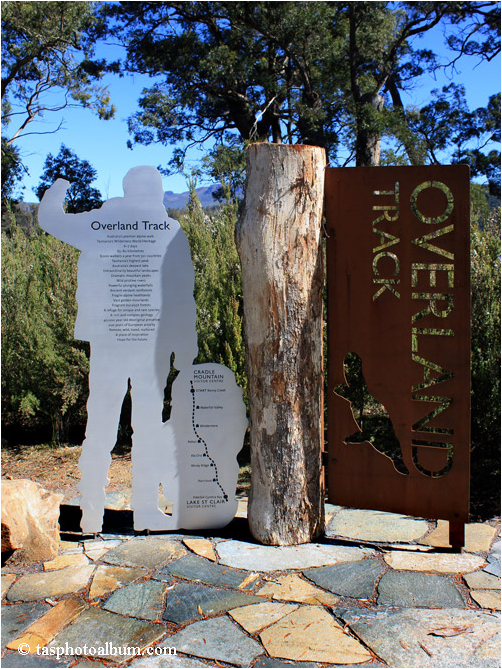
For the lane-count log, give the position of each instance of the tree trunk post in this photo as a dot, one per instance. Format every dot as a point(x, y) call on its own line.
point(279, 239)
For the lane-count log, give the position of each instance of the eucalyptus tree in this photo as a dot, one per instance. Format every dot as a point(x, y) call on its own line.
point(243, 67)
point(81, 195)
point(324, 73)
point(47, 51)
point(447, 123)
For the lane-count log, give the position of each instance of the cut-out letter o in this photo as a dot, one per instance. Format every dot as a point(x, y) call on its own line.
point(429, 219)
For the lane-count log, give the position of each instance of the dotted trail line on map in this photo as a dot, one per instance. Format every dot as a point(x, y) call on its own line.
point(201, 440)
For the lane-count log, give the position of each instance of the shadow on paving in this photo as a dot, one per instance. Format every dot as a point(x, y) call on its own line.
point(121, 522)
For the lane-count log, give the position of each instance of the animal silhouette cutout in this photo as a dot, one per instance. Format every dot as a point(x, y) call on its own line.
point(374, 423)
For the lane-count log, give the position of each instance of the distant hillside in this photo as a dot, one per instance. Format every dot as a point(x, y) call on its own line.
point(179, 200)
point(171, 200)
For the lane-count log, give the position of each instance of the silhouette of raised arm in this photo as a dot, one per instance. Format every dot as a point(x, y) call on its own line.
point(70, 228)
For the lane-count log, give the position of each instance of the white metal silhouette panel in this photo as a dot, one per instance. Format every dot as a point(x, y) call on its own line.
point(136, 308)
point(203, 436)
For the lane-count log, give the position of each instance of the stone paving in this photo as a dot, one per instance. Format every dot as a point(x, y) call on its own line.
point(381, 590)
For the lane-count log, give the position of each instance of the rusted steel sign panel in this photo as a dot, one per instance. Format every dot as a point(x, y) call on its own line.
point(399, 300)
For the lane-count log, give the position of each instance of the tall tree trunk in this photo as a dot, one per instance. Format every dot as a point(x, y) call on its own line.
point(368, 138)
point(280, 245)
point(406, 136)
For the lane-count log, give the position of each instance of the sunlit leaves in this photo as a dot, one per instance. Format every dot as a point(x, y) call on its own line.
point(47, 50)
point(218, 284)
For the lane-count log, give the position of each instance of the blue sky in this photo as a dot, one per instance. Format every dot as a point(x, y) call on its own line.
point(104, 143)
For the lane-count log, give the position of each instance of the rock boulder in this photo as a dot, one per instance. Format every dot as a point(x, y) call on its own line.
point(30, 520)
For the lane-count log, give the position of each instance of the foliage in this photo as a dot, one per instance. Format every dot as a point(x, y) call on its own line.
point(218, 285)
point(44, 376)
point(485, 270)
point(81, 196)
point(446, 123)
point(225, 66)
point(371, 416)
point(485, 358)
point(12, 171)
point(23, 214)
point(477, 23)
point(226, 165)
point(46, 61)
point(324, 73)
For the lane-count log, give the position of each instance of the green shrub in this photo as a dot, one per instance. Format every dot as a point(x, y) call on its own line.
point(485, 364)
point(218, 283)
point(44, 379)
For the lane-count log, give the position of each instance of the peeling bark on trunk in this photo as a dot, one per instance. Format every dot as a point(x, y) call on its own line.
point(280, 245)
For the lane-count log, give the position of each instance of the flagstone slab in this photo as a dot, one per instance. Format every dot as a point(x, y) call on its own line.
point(189, 601)
point(100, 633)
point(488, 650)
point(416, 589)
point(7, 581)
point(18, 617)
point(493, 566)
point(292, 588)
point(29, 661)
point(495, 549)
point(478, 536)
point(272, 662)
point(50, 584)
point(217, 639)
point(311, 634)
point(96, 553)
point(166, 661)
point(149, 552)
point(195, 568)
point(141, 600)
point(415, 548)
point(428, 638)
point(442, 563)
point(487, 599)
point(112, 537)
point(67, 547)
point(40, 632)
point(256, 617)
point(94, 544)
point(353, 579)
point(202, 547)
point(378, 526)
point(254, 557)
point(107, 579)
point(95, 550)
point(329, 512)
point(66, 560)
point(266, 662)
point(480, 580)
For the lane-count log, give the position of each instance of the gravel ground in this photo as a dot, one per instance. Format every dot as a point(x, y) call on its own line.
point(56, 469)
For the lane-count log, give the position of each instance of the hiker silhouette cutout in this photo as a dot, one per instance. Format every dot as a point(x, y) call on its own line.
point(136, 308)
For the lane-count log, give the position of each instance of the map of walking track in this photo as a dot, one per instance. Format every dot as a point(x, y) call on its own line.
point(204, 435)
point(200, 440)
